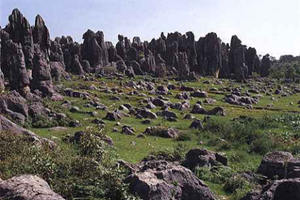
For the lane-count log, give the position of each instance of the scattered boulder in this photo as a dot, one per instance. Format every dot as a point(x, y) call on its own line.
point(162, 132)
point(168, 114)
point(196, 124)
point(162, 90)
point(202, 157)
point(280, 165)
point(240, 100)
point(198, 109)
point(145, 113)
point(27, 187)
point(198, 93)
point(113, 116)
point(127, 130)
point(285, 189)
point(154, 179)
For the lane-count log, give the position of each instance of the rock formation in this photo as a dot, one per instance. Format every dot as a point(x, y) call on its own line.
point(17, 73)
point(20, 32)
point(265, 65)
point(1, 73)
point(41, 34)
point(237, 60)
point(209, 51)
point(174, 54)
point(155, 179)
point(27, 187)
point(41, 74)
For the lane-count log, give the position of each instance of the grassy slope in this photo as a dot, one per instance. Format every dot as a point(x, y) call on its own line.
point(142, 147)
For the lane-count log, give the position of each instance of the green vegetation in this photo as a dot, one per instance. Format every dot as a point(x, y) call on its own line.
point(243, 135)
point(87, 171)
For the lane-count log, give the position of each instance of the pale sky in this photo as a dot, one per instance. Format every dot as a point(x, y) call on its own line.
point(271, 26)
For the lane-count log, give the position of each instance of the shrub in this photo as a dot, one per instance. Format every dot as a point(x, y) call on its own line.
point(217, 174)
point(184, 137)
point(87, 173)
point(237, 156)
point(237, 185)
point(262, 145)
point(177, 154)
point(239, 132)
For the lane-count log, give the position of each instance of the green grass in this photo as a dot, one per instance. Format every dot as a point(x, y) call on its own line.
point(277, 133)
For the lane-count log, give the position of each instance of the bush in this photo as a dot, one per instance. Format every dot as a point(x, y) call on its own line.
point(177, 154)
point(44, 122)
point(87, 173)
point(237, 156)
point(226, 134)
point(217, 174)
point(262, 145)
point(238, 186)
point(184, 137)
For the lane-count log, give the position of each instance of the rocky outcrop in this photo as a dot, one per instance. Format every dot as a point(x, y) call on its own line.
point(1, 73)
point(162, 180)
point(161, 132)
point(280, 165)
point(252, 61)
point(209, 51)
point(27, 187)
point(41, 73)
point(183, 66)
point(237, 60)
point(9, 126)
point(56, 53)
point(177, 54)
point(286, 189)
point(240, 100)
point(20, 32)
point(41, 34)
point(14, 105)
point(202, 157)
point(265, 65)
point(18, 77)
point(120, 47)
point(94, 49)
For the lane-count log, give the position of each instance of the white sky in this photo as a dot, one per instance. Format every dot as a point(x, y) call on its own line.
point(271, 26)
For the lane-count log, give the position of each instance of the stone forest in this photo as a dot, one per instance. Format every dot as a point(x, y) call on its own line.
point(174, 118)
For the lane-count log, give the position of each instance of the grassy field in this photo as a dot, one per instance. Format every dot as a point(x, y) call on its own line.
point(276, 124)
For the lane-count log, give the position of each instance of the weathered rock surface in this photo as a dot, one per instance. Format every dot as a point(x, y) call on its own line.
point(154, 180)
point(7, 125)
point(41, 74)
point(237, 59)
point(240, 100)
point(27, 187)
point(285, 189)
point(162, 132)
point(280, 164)
point(202, 157)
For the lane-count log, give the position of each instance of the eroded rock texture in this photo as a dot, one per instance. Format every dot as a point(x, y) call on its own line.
point(154, 180)
point(27, 187)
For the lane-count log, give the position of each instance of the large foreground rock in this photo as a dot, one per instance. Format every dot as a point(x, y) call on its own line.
point(286, 189)
point(9, 126)
point(280, 165)
point(27, 187)
point(162, 180)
